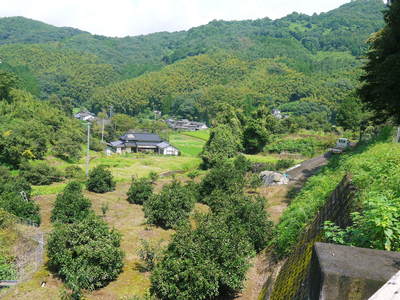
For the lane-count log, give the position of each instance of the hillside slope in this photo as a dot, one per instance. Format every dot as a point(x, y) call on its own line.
point(327, 44)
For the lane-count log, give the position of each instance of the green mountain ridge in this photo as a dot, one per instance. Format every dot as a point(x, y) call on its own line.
point(130, 72)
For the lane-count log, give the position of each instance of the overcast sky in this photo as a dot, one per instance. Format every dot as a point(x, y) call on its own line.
point(134, 17)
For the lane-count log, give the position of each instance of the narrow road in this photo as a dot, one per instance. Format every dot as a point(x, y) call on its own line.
point(263, 266)
point(308, 168)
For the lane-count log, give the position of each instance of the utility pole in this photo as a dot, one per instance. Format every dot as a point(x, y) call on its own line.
point(88, 149)
point(111, 111)
point(102, 131)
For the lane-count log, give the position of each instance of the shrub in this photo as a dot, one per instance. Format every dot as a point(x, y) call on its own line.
point(246, 214)
point(70, 205)
point(284, 164)
point(74, 172)
point(6, 219)
point(305, 146)
point(140, 190)
point(67, 149)
point(96, 145)
point(7, 269)
point(225, 176)
point(100, 180)
point(171, 207)
point(86, 255)
point(12, 201)
point(150, 254)
point(221, 145)
point(41, 174)
point(202, 263)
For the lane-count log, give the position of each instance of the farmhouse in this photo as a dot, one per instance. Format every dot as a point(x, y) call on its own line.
point(85, 116)
point(186, 125)
point(141, 142)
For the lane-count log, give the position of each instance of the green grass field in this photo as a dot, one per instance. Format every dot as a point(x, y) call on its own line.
point(202, 134)
point(188, 144)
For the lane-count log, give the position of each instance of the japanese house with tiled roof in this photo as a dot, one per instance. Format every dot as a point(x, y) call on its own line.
point(133, 142)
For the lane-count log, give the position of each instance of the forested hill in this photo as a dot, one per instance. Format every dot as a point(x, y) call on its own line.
point(72, 63)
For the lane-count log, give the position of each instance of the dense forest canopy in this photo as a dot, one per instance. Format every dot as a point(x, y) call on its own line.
point(271, 62)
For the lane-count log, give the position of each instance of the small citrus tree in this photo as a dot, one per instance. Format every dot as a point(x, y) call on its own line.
point(70, 205)
point(100, 180)
point(140, 190)
point(85, 254)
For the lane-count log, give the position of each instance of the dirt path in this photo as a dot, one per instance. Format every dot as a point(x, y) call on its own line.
point(278, 200)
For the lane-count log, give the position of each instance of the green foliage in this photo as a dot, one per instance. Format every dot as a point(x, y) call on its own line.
point(41, 173)
point(225, 176)
point(380, 88)
point(8, 81)
point(100, 180)
point(11, 199)
point(374, 169)
point(86, 255)
point(219, 147)
point(140, 190)
point(74, 172)
point(246, 214)
point(305, 146)
point(71, 205)
point(28, 128)
point(202, 263)
point(150, 253)
point(7, 269)
point(171, 206)
point(350, 114)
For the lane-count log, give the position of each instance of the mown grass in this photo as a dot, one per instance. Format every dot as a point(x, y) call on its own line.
point(202, 134)
point(188, 145)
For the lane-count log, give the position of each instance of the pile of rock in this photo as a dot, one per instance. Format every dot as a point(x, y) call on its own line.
point(273, 178)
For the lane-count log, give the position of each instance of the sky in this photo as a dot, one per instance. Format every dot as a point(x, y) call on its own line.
point(134, 17)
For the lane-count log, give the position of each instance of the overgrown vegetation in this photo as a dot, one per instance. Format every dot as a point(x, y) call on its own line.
point(15, 197)
point(374, 168)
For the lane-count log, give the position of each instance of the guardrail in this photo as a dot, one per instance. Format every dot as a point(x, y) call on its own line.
point(8, 283)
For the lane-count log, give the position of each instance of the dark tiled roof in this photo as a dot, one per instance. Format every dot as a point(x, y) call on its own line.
point(141, 137)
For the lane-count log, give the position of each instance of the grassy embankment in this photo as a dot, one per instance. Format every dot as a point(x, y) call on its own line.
point(375, 169)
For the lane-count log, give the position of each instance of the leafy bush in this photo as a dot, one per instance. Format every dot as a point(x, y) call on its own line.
point(70, 205)
point(7, 269)
point(86, 255)
point(15, 193)
point(150, 254)
point(283, 164)
point(140, 190)
point(202, 263)
point(96, 145)
point(100, 180)
point(68, 148)
point(171, 207)
point(6, 219)
point(220, 146)
point(224, 176)
point(304, 146)
point(41, 174)
point(243, 214)
point(74, 172)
